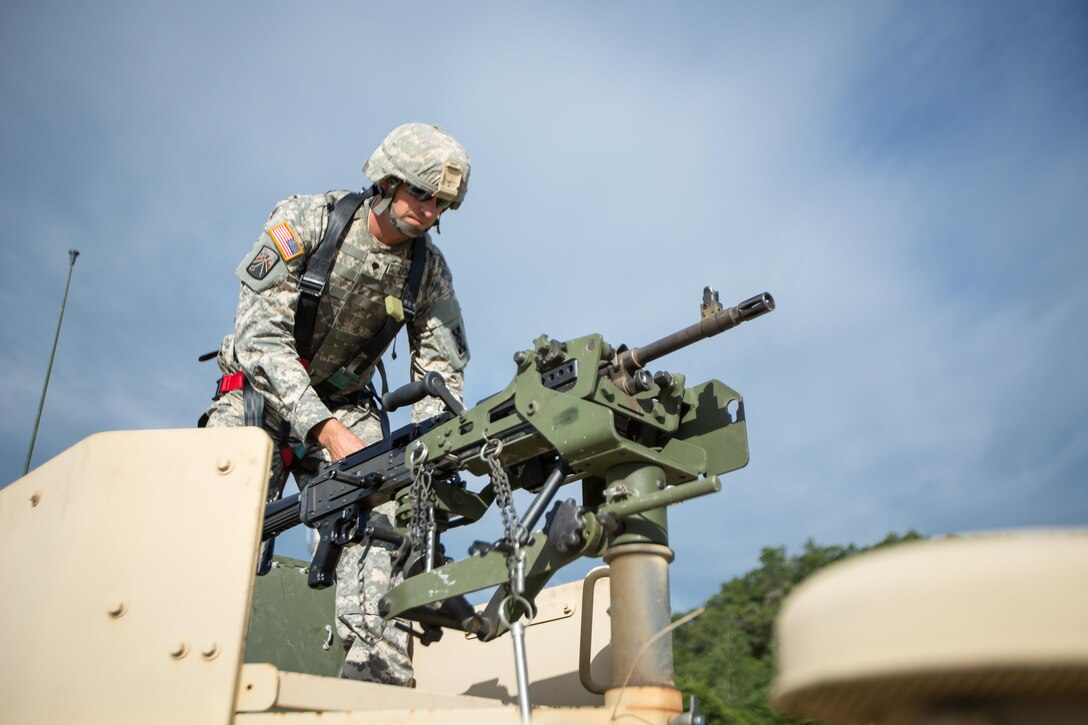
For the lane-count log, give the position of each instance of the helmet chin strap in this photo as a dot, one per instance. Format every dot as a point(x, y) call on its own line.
point(406, 229)
point(386, 203)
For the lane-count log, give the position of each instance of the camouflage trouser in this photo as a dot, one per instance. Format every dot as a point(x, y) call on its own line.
point(376, 651)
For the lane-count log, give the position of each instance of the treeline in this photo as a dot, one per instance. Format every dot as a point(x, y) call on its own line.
point(725, 656)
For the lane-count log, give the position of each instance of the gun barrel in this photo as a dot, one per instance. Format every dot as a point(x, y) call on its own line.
point(719, 322)
point(279, 516)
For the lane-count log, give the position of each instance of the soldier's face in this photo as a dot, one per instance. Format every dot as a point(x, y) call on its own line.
point(420, 214)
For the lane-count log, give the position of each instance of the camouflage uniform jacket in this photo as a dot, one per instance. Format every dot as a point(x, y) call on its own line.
point(351, 312)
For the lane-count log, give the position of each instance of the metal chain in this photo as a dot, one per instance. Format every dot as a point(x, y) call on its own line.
point(515, 564)
point(504, 499)
point(421, 496)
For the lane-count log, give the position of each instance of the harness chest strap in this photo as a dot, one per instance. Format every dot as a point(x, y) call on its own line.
point(314, 282)
point(312, 285)
point(315, 278)
point(373, 349)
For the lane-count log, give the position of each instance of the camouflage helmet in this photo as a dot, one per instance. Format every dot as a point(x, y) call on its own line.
point(423, 155)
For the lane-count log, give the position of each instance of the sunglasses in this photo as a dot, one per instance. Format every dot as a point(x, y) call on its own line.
point(423, 195)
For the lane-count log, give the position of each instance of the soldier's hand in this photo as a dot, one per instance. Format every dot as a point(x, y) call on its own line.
point(337, 439)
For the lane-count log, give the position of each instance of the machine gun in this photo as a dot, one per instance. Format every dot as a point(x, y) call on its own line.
point(580, 410)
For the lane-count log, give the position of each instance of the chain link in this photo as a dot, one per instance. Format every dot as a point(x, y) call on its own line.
point(421, 497)
point(513, 532)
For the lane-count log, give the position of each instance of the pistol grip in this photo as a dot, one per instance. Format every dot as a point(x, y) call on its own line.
point(323, 566)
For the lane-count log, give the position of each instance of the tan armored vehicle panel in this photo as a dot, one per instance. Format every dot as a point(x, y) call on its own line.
point(128, 582)
point(986, 629)
point(128, 566)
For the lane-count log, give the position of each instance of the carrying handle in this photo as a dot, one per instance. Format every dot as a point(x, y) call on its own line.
point(585, 642)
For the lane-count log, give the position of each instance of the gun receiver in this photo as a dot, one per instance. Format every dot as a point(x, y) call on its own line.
point(337, 502)
point(578, 410)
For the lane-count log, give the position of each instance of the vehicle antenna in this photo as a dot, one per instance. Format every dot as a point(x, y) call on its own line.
point(72, 254)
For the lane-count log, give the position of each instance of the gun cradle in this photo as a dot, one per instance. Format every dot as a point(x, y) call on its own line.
point(580, 410)
point(689, 434)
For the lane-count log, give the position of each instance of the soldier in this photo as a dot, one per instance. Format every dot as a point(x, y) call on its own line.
point(311, 326)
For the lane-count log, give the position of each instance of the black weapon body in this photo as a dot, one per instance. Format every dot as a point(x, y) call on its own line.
point(338, 500)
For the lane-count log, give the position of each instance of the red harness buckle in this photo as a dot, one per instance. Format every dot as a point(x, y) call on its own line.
point(227, 383)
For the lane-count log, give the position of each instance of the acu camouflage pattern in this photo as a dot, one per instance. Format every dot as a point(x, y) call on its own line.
point(423, 155)
point(352, 310)
point(377, 651)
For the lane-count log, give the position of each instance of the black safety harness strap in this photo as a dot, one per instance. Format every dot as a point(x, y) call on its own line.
point(312, 284)
point(374, 347)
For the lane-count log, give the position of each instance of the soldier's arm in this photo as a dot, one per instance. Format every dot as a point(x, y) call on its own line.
point(437, 336)
point(336, 438)
point(264, 328)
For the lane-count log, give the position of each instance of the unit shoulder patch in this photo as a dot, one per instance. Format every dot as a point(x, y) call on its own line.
point(459, 340)
point(446, 325)
point(286, 241)
point(260, 269)
point(262, 263)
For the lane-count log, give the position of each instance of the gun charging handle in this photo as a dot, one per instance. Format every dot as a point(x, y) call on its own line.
point(432, 384)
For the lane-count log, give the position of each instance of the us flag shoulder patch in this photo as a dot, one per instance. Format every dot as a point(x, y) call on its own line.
point(286, 241)
point(262, 263)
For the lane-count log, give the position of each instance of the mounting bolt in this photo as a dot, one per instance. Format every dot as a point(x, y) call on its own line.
point(179, 651)
point(117, 610)
point(224, 466)
point(210, 651)
point(642, 381)
point(567, 608)
point(35, 499)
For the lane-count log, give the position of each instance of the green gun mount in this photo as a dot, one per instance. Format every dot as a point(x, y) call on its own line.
point(580, 410)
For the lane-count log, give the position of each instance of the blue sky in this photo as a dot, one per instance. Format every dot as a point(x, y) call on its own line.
point(908, 179)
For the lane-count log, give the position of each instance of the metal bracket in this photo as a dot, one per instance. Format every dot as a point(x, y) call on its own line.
point(711, 304)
